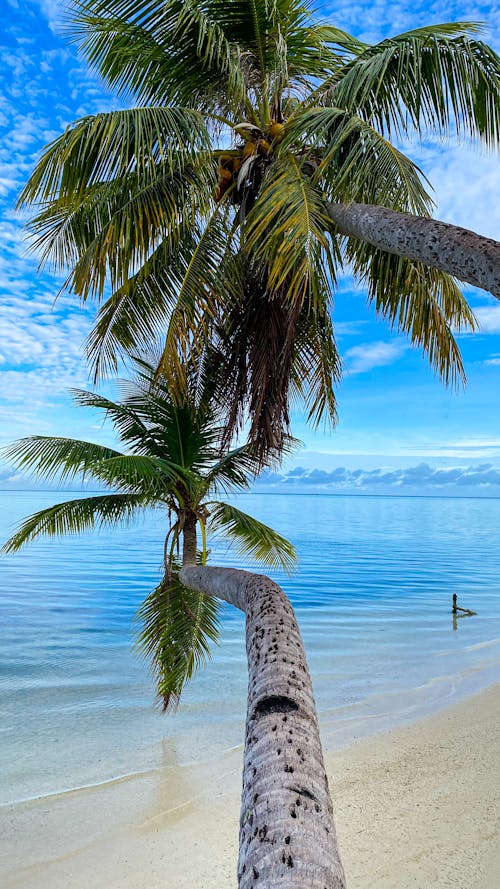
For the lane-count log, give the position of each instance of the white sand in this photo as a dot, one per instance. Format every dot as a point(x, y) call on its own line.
point(417, 808)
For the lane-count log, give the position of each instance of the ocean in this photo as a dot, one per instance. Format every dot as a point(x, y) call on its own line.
point(372, 592)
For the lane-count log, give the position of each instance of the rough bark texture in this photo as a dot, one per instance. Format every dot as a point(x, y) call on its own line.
point(458, 251)
point(287, 834)
point(189, 539)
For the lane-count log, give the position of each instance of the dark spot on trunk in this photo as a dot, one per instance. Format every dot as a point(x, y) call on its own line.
point(273, 704)
point(287, 840)
point(255, 874)
point(290, 861)
point(302, 791)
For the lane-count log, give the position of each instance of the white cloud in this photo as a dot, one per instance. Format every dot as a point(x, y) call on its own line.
point(349, 328)
point(367, 356)
point(466, 181)
point(53, 11)
point(475, 443)
point(373, 21)
point(488, 318)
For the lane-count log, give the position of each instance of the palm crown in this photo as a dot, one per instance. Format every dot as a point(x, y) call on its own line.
point(206, 207)
point(173, 463)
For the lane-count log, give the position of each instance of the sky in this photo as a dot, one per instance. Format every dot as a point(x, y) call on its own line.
point(399, 428)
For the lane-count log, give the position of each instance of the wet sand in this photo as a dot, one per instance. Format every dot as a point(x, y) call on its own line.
point(416, 808)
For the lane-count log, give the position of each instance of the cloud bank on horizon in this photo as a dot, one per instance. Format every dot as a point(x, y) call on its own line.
point(475, 480)
point(389, 400)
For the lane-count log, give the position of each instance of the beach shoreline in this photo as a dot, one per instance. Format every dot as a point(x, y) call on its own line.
point(416, 807)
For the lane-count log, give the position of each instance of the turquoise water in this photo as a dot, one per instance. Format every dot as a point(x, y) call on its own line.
point(373, 598)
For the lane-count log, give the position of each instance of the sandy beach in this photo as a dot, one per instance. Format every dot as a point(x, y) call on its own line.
point(416, 807)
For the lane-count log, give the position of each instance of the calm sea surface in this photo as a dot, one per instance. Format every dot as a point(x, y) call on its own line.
point(373, 598)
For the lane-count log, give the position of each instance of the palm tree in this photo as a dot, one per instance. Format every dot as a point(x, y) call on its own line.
point(259, 163)
point(173, 464)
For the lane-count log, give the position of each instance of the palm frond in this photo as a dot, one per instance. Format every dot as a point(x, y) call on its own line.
point(161, 53)
point(317, 367)
point(256, 339)
point(131, 426)
point(252, 538)
point(423, 303)
point(57, 458)
point(137, 313)
point(287, 232)
point(341, 40)
point(198, 288)
point(76, 517)
point(237, 468)
point(178, 626)
point(110, 234)
point(234, 469)
point(434, 78)
point(108, 146)
point(355, 163)
point(152, 477)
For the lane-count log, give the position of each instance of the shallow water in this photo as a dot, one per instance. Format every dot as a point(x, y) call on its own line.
point(373, 598)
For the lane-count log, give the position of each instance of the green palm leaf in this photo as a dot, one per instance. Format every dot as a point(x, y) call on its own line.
point(252, 537)
point(178, 626)
point(131, 426)
point(432, 78)
point(76, 517)
point(196, 290)
point(239, 467)
point(61, 458)
point(106, 147)
point(138, 311)
point(153, 477)
point(173, 52)
point(287, 231)
point(425, 304)
point(355, 163)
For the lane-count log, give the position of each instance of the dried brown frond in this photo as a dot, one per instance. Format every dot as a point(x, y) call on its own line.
point(259, 345)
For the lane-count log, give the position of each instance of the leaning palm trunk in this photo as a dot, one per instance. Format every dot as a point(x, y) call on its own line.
point(440, 245)
point(287, 834)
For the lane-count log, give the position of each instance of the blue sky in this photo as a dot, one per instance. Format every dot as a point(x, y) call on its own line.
point(394, 413)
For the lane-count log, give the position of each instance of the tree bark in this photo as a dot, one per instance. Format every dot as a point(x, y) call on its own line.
point(287, 834)
point(458, 251)
point(189, 545)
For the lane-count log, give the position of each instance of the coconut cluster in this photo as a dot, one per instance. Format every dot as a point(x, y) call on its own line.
point(256, 144)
